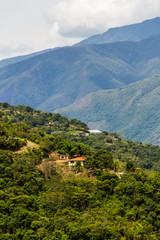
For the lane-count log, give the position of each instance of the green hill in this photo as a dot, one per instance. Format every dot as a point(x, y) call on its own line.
point(39, 201)
point(133, 110)
point(23, 123)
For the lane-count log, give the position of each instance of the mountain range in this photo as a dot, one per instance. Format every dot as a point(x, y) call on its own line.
point(57, 78)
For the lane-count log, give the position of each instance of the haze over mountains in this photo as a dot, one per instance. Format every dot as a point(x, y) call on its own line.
point(57, 78)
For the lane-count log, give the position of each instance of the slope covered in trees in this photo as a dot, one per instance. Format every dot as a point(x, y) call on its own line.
point(97, 205)
point(146, 156)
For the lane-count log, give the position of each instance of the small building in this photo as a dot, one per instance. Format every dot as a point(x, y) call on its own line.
point(87, 132)
point(63, 157)
point(95, 131)
point(73, 161)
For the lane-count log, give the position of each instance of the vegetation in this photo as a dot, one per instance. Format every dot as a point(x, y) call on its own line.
point(146, 156)
point(37, 118)
point(88, 203)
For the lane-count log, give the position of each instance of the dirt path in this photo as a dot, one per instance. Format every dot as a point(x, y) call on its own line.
point(30, 145)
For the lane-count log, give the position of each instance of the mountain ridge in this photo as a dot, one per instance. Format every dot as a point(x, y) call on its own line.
point(132, 32)
point(12, 60)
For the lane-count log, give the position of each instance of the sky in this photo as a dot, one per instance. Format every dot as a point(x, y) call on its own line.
point(32, 25)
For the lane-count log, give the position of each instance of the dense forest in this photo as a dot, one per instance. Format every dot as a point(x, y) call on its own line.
point(39, 200)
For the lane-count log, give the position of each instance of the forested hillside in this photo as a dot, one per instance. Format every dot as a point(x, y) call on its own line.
point(89, 202)
point(146, 156)
point(133, 110)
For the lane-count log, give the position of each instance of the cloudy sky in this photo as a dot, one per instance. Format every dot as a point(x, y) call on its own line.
point(32, 25)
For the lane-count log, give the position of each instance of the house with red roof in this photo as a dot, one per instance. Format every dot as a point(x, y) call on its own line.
point(73, 161)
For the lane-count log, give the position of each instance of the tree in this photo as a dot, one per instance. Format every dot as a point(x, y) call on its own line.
point(104, 159)
point(130, 166)
point(78, 166)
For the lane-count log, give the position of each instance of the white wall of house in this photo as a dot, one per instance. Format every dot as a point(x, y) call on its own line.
point(73, 163)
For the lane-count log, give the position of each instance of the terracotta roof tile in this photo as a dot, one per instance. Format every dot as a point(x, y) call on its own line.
point(78, 159)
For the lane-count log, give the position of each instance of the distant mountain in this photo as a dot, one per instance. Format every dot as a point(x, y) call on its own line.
point(133, 110)
point(12, 60)
point(133, 32)
point(57, 78)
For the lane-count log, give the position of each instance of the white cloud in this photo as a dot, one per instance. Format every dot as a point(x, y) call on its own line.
point(59, 40)
point(23, 27)
point(14, 49)
point(77, 19)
